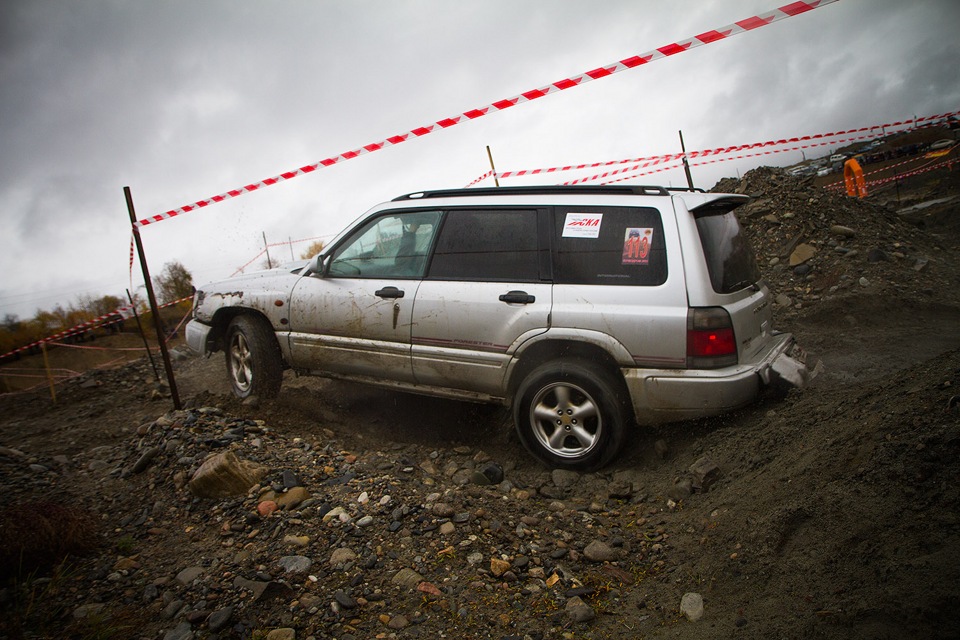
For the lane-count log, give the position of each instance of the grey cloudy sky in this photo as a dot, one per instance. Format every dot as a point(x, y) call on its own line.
point(182, 100)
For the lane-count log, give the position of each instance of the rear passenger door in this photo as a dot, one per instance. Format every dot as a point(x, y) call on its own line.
point(487, 289)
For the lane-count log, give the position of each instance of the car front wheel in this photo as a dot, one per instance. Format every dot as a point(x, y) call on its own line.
point(254, 363)
point(571, 415)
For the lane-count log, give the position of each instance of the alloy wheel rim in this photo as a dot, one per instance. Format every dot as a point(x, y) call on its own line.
point(566, 420)
point(240, 368)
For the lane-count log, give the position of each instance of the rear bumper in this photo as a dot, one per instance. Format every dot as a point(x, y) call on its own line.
point(197, 336)
point(664, 395)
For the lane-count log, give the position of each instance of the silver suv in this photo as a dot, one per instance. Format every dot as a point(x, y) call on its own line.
point(586, 309)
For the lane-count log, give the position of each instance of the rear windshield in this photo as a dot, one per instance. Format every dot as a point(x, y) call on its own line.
point(729, 256)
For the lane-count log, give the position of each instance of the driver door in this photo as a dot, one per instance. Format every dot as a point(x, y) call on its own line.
point(355, 318)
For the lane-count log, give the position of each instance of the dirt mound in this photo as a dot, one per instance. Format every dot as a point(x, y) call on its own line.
point(814, 244)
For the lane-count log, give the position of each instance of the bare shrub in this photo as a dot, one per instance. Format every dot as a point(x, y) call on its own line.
point(37, 535)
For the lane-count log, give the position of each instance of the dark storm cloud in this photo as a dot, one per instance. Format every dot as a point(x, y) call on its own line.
point(183, 100)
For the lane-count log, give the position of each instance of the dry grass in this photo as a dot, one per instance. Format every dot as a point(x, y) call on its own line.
point(37, 535)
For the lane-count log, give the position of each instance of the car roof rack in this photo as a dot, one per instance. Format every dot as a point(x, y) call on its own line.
point(690, 189)
point(560, 189)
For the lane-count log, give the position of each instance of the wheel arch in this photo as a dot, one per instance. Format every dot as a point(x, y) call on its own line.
point(544, 351)
point(222, 319)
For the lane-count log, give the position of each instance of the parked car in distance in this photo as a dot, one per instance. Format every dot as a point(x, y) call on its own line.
point(585, 309)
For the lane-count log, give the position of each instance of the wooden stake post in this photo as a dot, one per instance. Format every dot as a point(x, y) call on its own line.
point(143, 334)
point(686, 165)
point(496, 181)
point(153, 301)
point(46, 366)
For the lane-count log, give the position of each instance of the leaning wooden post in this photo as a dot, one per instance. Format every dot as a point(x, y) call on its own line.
point(496, 180)
point(46, 366)
point(153, 301)
point(686, 165)
point(143, 334)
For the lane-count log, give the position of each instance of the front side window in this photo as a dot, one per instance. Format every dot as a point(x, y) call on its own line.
point(487, 245)
point(609, 246)
point(395, 245)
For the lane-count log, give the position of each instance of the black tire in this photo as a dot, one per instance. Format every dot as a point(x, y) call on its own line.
point(571, 415)
point(254, 362)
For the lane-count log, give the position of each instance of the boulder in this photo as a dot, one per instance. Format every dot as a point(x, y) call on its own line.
point(224, 475)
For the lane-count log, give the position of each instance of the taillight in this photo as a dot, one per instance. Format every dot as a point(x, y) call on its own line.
point(711, 342)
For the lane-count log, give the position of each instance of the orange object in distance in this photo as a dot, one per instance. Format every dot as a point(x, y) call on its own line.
point(853, 177)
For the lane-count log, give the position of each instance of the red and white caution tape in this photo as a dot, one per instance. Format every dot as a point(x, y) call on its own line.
point(131, 261)
point(836, 185)
point(87, 347)
point(644, 165)
point(842, 184)
point(872, 132)
point(708, 37)
point(479, 179)
point(945, 163)
point(22, 372)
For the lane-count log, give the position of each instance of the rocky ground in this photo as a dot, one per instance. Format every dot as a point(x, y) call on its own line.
point(831, 513)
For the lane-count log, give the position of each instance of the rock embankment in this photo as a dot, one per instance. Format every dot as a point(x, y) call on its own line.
point(814, 244)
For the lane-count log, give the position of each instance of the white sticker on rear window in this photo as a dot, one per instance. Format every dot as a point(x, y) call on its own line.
point(582, 225)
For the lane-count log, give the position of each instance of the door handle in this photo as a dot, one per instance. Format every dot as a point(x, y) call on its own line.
point(389, 292)
point(517, 297)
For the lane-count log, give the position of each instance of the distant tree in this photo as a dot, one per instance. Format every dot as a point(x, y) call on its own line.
point(8, 329)
point(173, 283)
point(69, 317)
point(11, 322)
point(97, 307)
point(140, 299)
point(315, 248)
point(106, 304)
point(44, 324)
point(8, 341)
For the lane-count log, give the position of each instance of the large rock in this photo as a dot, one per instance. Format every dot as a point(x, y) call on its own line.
point(801, 254)
point(292, 498)
point(223, 475)
point(408, 578)
point(691, 605)
point(705, 473)
point(598, 551)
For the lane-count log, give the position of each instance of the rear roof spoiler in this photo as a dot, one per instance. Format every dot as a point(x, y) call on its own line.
point(716, 203)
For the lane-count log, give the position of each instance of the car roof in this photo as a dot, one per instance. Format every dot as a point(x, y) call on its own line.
point(580, 189)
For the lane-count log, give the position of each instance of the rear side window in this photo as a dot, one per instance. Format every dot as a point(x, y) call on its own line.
point(493, 244)
point(730, 259)
point(609, 245)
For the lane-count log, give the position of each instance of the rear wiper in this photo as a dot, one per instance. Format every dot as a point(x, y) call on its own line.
point(745, 284)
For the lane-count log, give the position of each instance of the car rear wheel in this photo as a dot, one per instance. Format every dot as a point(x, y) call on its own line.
point(254, 363)
point(571, 415)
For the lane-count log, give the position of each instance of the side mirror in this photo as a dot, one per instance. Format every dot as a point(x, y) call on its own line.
point(315, 266)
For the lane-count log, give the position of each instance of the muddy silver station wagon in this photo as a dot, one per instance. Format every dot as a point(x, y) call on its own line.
point(585, 309)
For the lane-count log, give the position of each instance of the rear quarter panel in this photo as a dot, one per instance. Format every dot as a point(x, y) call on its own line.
point(750, 308)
